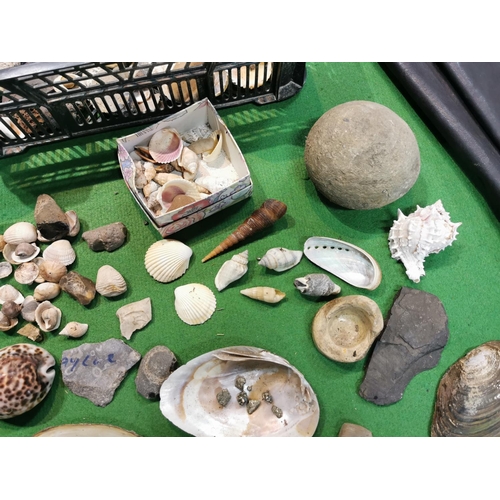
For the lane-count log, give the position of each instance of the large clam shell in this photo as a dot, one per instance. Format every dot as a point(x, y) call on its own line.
point(189, 397)
point(468, 396)
point(194, 303)
point(60, 251)
point(167, 260)
point(344, 260)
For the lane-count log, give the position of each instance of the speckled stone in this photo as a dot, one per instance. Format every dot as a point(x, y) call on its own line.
point(94, 371)
point(50, 219)
point(79, 287)
point(107, 238)
point(413, 340)
point(155, 368)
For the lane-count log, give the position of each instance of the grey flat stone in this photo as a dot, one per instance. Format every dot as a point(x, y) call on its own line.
point(413, 340)
point(94, 371)
point(155, 368)
point(107, 238)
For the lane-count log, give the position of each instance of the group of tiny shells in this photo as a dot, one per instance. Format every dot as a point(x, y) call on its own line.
point(176, 169)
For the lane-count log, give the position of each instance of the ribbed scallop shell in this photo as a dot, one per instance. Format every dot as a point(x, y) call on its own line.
point(60, 251)
point(109, 282)
point(232, 270)
point(20, 232)
point(194, 303)
point(167, 260)
point(280, 259)
point(165, 145)
point(468, 396)
point(52, 270)
point(412, 238)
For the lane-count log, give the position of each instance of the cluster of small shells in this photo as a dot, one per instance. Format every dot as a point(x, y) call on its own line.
point(45, 270)
point(176, 170)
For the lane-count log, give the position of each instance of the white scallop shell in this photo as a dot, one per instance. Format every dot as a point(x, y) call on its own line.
point(51, 270)
point(48, 316)
point(412, 238)
point(74, 329)
point(188, 397)
point(167, 260)
point(109, 282)
point(232, 270)
point(60, 251)
point(194, 303)
point(165, 145)
point(20, 232)
point(280, 259)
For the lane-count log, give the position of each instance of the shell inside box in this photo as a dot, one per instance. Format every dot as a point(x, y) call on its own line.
point(221, 179)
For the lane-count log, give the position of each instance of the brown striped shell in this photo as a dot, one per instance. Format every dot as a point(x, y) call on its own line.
point(26, 376)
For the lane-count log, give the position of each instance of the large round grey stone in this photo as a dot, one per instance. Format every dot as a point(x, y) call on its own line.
point(362, 155)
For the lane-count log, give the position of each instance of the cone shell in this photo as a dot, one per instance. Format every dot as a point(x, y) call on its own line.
point(280, 259)
point(20, 232)
point(232, 270)
point(109, 282)
point(167, 260)
point(165, 145)
point(269, 212)
point(60, 251)
point(194, 303)
point(264, 294)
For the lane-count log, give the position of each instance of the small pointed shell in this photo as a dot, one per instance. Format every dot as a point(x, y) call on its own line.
point(232, 270)
point(109, 282)
point(20, 232)
point(194, 303)
point(52, 270)
point(280, 259)
point(26, 273)
point(60, 251)
point(8, 292)
point(264, 294)
point(48, 316)
point(29, 307)
point(46, 291)
point(74, 329)
point(167, 260)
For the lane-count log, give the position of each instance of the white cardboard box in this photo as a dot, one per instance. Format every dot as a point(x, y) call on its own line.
point(195, 115)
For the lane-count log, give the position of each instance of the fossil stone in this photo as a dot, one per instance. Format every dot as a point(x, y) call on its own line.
point(32, 332)
point(414, 337)
point(79, 287)
point(51, 221)
point(134, 316)
point(94, 371)
point(155, 367)
point(353, 430)
point(107, 238)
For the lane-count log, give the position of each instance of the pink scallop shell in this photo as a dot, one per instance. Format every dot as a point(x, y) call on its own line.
point(165, 145)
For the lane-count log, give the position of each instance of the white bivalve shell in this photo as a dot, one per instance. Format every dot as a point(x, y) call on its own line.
point(48, 316)
point(109, 282)
point(60, 251)
point(19, 253)
point(194, 303)
point(280, 259)
point(190, 397)
point(173, 188)
point(167, 260)
point(20, 232)
point(232, 270)
point(5, 269)
point(412, 238)
point(46, 291)
point(8, 292)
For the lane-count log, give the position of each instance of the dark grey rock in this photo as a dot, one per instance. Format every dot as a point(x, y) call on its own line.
point(413, 339)
point(94, 371)
point(155, 368)
point(107, 238)
point(50, 219)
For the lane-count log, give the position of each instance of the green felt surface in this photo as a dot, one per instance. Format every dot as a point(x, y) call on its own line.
point(83, 175)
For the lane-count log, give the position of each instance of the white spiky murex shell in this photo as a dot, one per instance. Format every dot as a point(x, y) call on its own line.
point(280, 259)
point(167, 260)
point(194, 303)
point(60, 251)
point(232, 270)
point(109, 282)
point(412, 238)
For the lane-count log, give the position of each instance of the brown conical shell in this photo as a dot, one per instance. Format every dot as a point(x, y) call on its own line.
point(270, 211)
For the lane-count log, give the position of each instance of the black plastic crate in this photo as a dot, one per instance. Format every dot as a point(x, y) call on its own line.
point(42, 103)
